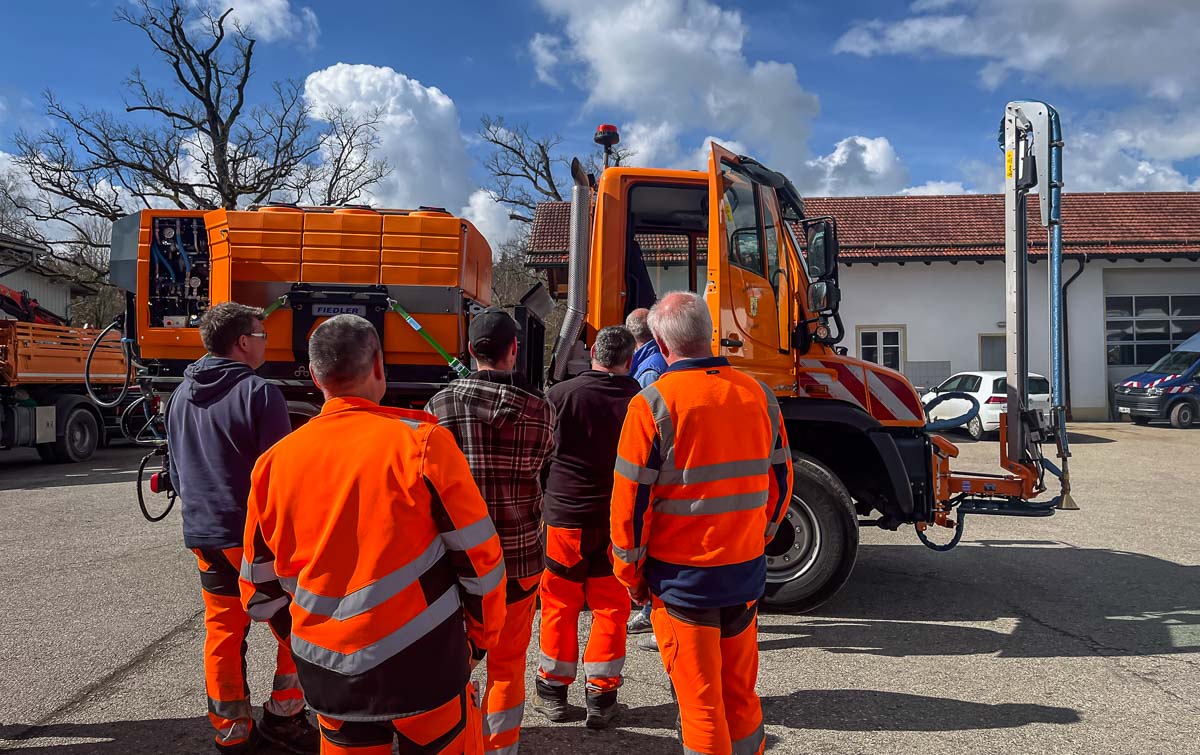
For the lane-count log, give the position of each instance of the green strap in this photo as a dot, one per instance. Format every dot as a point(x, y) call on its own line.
point(455, 365)
point(278, 303)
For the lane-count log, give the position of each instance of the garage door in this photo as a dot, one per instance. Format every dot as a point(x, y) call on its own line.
point(1146, 314)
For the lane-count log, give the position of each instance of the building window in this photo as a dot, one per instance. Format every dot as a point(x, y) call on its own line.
point(882, 345)
point(1139, 330)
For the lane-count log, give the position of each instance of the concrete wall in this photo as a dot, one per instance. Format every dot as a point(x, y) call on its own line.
point(945, 308)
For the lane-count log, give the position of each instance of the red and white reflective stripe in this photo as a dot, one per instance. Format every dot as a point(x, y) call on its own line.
point(889, 398)
point(837, 387)
point(882, 393)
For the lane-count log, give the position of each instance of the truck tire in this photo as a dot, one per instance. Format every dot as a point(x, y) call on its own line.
point(814, 550)
point(1183, 415)
point(80, 436)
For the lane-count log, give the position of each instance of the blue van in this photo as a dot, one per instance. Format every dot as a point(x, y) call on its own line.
point(1170, 389)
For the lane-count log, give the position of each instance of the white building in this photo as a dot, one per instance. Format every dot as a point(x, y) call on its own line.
point(922, 282)
point(22, 272)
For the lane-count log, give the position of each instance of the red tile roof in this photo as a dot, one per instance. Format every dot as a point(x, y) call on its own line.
point(971, 226)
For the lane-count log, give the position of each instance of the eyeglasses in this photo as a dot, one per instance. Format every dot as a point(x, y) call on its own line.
point(256, 335)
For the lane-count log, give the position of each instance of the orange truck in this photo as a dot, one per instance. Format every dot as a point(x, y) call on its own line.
point(43, 402)
point(864, 451)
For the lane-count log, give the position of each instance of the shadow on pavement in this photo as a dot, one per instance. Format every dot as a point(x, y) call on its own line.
point(21, 469)
point(1063, 602)
point(173, 735)
point(1085, 439)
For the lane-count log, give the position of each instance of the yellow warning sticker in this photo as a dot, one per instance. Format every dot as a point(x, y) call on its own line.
point(1008, 163)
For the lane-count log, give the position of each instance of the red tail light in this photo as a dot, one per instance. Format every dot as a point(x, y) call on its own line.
point(997, 400)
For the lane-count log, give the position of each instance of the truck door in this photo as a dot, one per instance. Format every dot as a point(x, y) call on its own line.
point(748, 271)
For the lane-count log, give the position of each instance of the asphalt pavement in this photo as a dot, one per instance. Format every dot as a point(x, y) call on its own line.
point(1078, 633)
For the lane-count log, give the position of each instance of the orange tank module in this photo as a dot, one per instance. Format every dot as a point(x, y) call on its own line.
point(304, 264)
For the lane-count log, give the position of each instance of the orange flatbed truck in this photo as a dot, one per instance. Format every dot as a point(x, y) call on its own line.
point(43, 401)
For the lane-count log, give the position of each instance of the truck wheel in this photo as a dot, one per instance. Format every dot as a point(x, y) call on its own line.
point(814, 550)
point(1183, 415)
point(79, 438)
point(975, 428)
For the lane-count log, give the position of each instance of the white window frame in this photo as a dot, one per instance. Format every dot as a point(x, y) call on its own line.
point(879, 330)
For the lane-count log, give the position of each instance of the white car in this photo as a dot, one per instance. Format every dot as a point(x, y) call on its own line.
point(990, 389)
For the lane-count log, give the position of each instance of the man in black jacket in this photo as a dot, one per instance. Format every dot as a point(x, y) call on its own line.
point(579, 570)
point(220, 419)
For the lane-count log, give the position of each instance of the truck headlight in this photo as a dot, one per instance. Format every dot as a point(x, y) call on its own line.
point(1156, 391)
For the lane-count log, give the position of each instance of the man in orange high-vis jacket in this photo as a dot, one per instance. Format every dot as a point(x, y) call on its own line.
point(703, 477)
point(590, 409)
point(367, 539)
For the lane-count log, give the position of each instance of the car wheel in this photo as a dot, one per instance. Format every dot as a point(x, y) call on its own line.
point(1183, 415)
point(814, 551)
point(80, 436)
point(975, 428)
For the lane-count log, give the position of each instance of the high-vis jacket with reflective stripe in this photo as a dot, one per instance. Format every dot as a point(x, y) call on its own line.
point(367, 526)
point(702, 480)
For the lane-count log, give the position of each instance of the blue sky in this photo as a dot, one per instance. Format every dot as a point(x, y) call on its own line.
point(848, 98)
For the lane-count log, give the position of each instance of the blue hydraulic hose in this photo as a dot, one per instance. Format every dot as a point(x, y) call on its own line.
point(162, 261)
point(1057, 339)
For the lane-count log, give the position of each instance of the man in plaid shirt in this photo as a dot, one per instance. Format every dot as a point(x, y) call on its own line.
point(505, 427)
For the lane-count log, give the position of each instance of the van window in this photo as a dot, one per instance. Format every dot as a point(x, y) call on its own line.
point(1174, 363)
point(1037, 386)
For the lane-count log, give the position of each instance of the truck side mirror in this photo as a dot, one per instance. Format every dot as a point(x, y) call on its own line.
point(822, 249)
point(824, 296)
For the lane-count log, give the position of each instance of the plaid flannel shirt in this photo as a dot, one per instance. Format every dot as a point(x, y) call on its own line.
point(505, 428)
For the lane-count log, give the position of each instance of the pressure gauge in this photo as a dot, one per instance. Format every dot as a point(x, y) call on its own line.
point(168, 233)
point(194, 282)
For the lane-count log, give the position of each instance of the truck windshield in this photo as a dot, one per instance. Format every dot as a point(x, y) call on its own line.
point(1175, 362)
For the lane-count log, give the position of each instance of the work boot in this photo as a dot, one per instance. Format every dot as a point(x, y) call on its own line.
point(551, 701)
point(601, 709)
point(639, 623)
point(253, 740)
point(292, 733)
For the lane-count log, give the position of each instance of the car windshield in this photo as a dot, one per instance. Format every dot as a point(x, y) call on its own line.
point(1175, 362)
point(1037, 386)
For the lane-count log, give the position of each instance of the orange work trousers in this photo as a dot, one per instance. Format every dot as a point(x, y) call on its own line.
point(453, 728)
point(504, 696)
point(225, 627)
point(711, 655)
point(579, 571)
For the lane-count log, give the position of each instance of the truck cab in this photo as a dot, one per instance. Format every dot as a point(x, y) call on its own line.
point(769, 275)
point(1168, 390)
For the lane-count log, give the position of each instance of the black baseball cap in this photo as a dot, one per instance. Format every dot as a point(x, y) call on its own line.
point(492, 333)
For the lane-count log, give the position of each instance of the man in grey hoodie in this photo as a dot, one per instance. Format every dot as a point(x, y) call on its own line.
point(219, 420)
point(505, 427)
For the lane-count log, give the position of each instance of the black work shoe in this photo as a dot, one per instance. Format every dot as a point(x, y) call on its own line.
point(292, 733)
point(601, 709)
point(553, 708)
point(242, 748)
point(639, 623)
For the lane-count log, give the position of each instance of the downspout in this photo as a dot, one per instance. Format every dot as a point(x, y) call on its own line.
point(1066, 334)
point(577, 273)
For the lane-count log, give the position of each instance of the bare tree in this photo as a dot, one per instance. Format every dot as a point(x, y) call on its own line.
point(198, 144)
point(527, 169)
point(347, 166)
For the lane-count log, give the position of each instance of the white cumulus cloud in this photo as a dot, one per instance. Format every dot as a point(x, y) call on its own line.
point(546, 50)
point(936, 188)
point(1148, 47)
point(418, 132)
point(271, 20)
point(857, 165)
point(492, 220)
